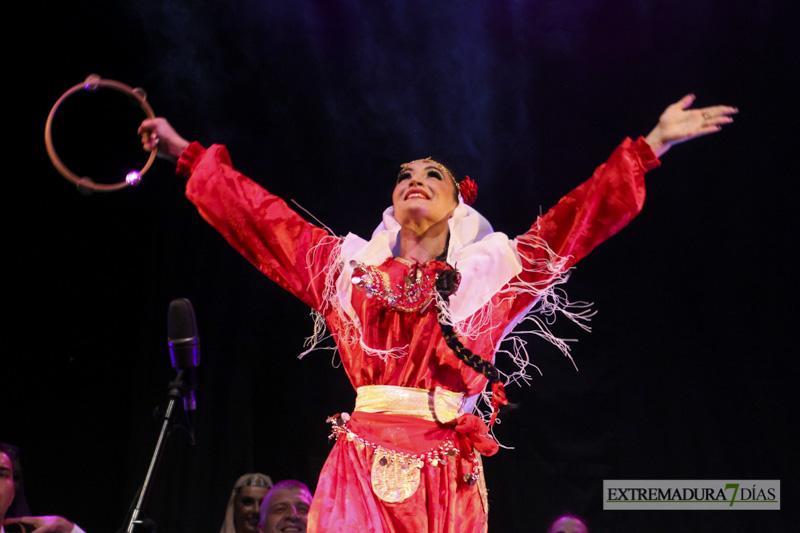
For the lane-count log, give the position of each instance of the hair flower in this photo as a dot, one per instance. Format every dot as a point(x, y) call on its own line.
point(468, 189)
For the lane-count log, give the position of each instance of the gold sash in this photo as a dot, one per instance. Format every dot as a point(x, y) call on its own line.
point(437, 405)
point(395, 476)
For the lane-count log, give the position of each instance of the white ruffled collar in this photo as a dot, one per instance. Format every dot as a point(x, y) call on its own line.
point(487, 260)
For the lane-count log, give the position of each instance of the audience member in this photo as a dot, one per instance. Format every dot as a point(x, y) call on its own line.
point(568, 523)
point(242, 514)
point(285, 508)
point(25, 524)
point(19, 507)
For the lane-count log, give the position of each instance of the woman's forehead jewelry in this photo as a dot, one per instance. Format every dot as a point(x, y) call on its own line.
point(467, 187)
point(438, 165)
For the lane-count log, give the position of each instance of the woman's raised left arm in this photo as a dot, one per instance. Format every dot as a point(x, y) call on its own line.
point(678, 123)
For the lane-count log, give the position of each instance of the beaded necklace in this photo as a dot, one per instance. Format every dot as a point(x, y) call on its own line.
point(415, 294)
point(411, 295)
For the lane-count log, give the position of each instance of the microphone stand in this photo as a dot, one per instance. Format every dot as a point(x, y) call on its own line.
point(136, 520)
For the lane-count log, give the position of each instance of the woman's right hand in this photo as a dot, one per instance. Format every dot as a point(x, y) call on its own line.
point(158, 133)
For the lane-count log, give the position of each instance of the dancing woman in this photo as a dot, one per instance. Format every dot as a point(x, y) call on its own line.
point(419, 310)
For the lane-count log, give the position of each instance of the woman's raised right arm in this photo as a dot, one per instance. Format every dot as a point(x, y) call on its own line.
point(261, 226)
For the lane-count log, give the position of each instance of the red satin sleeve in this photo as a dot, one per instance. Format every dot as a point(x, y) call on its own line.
point(273, 237)
point(601, 206)
point(591, 213)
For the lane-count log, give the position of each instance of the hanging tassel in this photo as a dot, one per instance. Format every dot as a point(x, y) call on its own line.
point(498, 399)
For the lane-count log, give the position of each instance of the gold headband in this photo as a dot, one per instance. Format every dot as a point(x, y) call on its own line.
point(255, 481)
point(438, 165)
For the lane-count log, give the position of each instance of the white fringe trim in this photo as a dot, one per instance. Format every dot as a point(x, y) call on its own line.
point(331, 270)
point(550, 300)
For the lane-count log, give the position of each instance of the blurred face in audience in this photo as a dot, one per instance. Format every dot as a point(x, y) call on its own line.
point(285, 511)
point(246, 509)
point(568, 524)
point(6, 484)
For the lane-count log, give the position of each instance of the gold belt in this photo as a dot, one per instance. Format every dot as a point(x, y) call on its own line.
point(436, 405)
point(395, 476)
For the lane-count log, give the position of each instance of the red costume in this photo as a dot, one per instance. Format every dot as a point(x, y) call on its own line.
point(406, 460)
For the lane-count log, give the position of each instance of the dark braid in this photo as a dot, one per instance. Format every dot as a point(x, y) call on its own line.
point(447, 281)
point(474, 361)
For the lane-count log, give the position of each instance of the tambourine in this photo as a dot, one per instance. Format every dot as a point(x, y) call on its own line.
point(84, 184)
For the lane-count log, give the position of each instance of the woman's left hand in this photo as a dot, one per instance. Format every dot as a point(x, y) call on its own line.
point(678, 123)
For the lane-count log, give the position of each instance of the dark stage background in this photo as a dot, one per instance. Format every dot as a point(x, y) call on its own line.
point(690, 371)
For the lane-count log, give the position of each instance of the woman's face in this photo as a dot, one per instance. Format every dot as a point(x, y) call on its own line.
point(424, 193)
point(246, 508)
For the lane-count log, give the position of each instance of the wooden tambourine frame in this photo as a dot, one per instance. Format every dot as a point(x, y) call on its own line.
point(84, 184)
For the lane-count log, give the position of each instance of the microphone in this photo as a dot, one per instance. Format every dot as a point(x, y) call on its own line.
point(184, 346)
